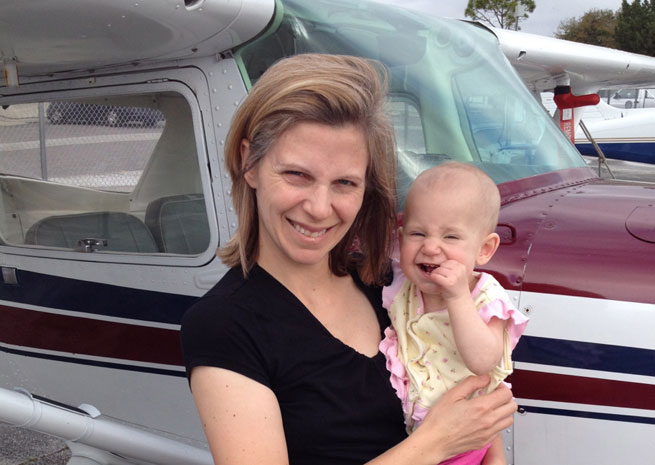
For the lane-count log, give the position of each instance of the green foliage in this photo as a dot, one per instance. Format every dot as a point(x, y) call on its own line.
point(595, 27)
point(635, 27)
point(500, 13)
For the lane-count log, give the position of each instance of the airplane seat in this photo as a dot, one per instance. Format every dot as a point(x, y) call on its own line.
point(179, 223)
point(122, 231)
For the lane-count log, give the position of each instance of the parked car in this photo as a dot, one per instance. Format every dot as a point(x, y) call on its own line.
point(633, 98)
point(61, 112)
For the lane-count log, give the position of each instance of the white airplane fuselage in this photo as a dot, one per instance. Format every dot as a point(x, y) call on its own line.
point(114, 198)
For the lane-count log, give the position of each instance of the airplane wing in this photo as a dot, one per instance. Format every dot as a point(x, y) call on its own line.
point(122, 31)
point(546, 62)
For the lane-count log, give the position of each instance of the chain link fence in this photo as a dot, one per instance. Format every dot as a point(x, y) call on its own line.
point(79, 144)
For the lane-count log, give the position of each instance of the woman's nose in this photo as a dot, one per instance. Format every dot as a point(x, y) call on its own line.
point(319, 202)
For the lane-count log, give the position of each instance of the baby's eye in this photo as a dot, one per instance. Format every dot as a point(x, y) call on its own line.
point(417, 234)
point(452, 237)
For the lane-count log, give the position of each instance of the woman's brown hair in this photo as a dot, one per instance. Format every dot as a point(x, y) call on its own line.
point(328, 89)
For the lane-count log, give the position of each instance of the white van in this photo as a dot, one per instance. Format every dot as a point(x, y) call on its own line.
point(633, 98)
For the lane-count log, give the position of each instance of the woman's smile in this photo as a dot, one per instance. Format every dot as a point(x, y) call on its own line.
point(307, 231)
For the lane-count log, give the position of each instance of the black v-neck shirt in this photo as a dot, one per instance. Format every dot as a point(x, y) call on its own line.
point(338, 406)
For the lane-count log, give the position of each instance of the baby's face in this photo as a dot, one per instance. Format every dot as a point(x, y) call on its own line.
point(439, 225)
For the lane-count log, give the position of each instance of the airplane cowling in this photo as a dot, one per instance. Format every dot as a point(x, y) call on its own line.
point(592, 240)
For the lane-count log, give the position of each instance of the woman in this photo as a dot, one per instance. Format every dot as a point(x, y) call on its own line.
point(282, 353)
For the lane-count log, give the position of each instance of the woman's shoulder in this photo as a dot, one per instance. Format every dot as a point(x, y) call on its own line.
point(234, 296)
point(230, 284)
point(225, 329)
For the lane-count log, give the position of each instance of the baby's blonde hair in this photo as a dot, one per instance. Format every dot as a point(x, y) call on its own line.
point(456, 175)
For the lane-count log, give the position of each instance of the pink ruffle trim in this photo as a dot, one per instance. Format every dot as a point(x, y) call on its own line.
point(398, 375)
point(516, 321)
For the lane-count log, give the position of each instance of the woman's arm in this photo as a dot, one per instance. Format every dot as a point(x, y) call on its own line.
point(455, 424)
point(241, 418)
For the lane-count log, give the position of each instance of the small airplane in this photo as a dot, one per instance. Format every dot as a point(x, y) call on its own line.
point(109, 226)
point(622, 125)
point(628, 135)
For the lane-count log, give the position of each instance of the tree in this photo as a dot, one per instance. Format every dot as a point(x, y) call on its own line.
point(506, 14)
point(595, 27)
point(635, 27)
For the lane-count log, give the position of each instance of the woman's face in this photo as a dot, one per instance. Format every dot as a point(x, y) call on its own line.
point(309, 189)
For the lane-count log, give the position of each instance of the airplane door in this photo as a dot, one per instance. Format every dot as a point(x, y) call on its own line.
point(112, 204)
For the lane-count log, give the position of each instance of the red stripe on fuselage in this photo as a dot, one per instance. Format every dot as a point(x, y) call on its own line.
point(86, 336)
point(582, 390)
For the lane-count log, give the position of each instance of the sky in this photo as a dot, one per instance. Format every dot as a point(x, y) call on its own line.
point(543, 20)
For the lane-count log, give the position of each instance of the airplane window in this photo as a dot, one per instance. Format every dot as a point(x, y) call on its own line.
point(407, 124)
point(107, 175)
point(86, 145)
point(626, 93)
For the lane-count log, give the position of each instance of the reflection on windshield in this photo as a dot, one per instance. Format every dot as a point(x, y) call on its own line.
point(453, 96)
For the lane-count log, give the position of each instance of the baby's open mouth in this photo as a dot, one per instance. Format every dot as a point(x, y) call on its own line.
point(427, 268)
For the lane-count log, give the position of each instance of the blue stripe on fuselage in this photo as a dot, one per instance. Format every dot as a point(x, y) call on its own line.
point(584, 414)
point(585, 355)
point(95, 298)
point(643, 152)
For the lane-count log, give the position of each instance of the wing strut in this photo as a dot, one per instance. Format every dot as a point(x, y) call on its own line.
point(602, 160)
point(92, 438)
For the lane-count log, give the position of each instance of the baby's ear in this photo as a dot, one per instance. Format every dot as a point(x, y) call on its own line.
point(400, 234)
point(488, 248)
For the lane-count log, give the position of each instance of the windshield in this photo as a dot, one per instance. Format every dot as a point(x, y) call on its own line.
point(453, 95)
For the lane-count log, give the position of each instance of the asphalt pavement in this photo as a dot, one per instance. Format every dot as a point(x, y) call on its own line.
point(20, 447)
point(623, 170)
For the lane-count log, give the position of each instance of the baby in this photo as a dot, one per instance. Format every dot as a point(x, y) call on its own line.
point(449, 321)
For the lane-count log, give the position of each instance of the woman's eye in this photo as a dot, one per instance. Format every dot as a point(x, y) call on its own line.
point(295, 175)
point(345, 182)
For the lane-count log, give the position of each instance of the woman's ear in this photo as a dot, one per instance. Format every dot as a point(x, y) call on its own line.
point(488, 248)
point(250, 175)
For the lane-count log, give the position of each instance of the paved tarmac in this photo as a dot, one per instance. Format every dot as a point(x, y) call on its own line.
point(20, 447)
point(624, 170)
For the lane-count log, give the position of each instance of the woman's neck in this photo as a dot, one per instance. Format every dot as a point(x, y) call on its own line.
point(305, 281)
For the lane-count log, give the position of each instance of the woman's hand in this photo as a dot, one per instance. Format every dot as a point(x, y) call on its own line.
point(241, 418)
point(455, 424)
